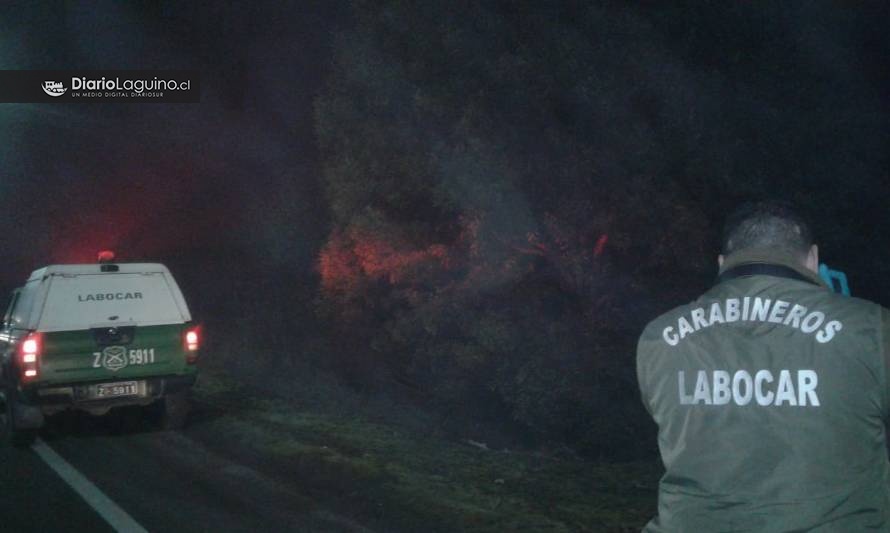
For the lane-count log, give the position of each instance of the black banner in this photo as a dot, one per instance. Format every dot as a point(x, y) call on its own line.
point(121, 86)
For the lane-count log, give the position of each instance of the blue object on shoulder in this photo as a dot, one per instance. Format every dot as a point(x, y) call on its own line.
point(832, 276)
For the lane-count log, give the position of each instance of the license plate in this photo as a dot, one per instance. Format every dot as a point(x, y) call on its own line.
point(115, 390)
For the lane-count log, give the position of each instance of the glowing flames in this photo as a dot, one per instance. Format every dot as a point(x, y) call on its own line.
point(351, 256)
point(600, 245)
point(355, 256)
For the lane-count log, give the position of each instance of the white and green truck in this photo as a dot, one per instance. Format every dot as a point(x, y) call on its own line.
point(94, 337)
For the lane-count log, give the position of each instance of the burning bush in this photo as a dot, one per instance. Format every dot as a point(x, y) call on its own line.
point(486, 244)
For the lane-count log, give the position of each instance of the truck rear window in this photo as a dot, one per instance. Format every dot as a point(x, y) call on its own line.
point(88, 300)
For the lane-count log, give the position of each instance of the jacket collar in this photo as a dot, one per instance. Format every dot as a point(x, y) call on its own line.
point(770, 256)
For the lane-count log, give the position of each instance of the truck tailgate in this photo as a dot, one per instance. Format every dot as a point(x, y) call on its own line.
point(112, 353)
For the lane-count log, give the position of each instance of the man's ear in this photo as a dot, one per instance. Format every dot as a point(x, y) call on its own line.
point(719, 260)
point(813, 258)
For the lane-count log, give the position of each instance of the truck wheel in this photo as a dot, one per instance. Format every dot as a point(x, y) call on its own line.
point(173, 410)
point(18, 437)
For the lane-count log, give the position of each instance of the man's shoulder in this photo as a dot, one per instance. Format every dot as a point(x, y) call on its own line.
point(866, 308)
point(856, 306)
point(854, 302)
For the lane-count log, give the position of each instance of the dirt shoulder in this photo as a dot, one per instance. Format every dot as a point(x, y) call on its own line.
point(390, 478)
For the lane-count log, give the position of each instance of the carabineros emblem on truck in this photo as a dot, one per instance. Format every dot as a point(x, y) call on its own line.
point(114, 358)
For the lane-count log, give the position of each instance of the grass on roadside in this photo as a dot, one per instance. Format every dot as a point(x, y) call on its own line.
point(387, 476)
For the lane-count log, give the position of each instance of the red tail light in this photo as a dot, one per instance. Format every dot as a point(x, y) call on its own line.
point(29, 357)
point(192, 340)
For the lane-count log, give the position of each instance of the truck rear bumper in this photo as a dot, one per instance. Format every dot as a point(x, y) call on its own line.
point(55, 398)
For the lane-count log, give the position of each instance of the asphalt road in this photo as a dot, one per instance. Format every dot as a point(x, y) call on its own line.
point(165, 481)
point(34, 498)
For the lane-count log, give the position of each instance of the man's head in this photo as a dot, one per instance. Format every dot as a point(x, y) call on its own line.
point(774, 225)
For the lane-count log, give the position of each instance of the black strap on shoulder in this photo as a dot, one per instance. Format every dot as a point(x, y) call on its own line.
point(762, 269)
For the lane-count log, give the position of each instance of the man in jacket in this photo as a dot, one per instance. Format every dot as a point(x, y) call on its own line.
point(769, 392)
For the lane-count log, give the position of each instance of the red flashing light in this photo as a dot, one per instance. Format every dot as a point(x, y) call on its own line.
point(106, 256)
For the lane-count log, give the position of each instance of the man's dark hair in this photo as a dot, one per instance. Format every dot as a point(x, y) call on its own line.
point(767, 224)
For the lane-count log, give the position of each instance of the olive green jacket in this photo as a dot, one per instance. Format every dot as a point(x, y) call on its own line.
point(770, 395)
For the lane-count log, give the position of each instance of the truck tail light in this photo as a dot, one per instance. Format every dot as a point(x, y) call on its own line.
point(192, 340)
point(29, 357)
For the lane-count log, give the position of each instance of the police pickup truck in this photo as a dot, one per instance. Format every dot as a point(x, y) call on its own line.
point(93, 337)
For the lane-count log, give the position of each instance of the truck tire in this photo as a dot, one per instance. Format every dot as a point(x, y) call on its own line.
point(172, 411)
point(11, 434)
